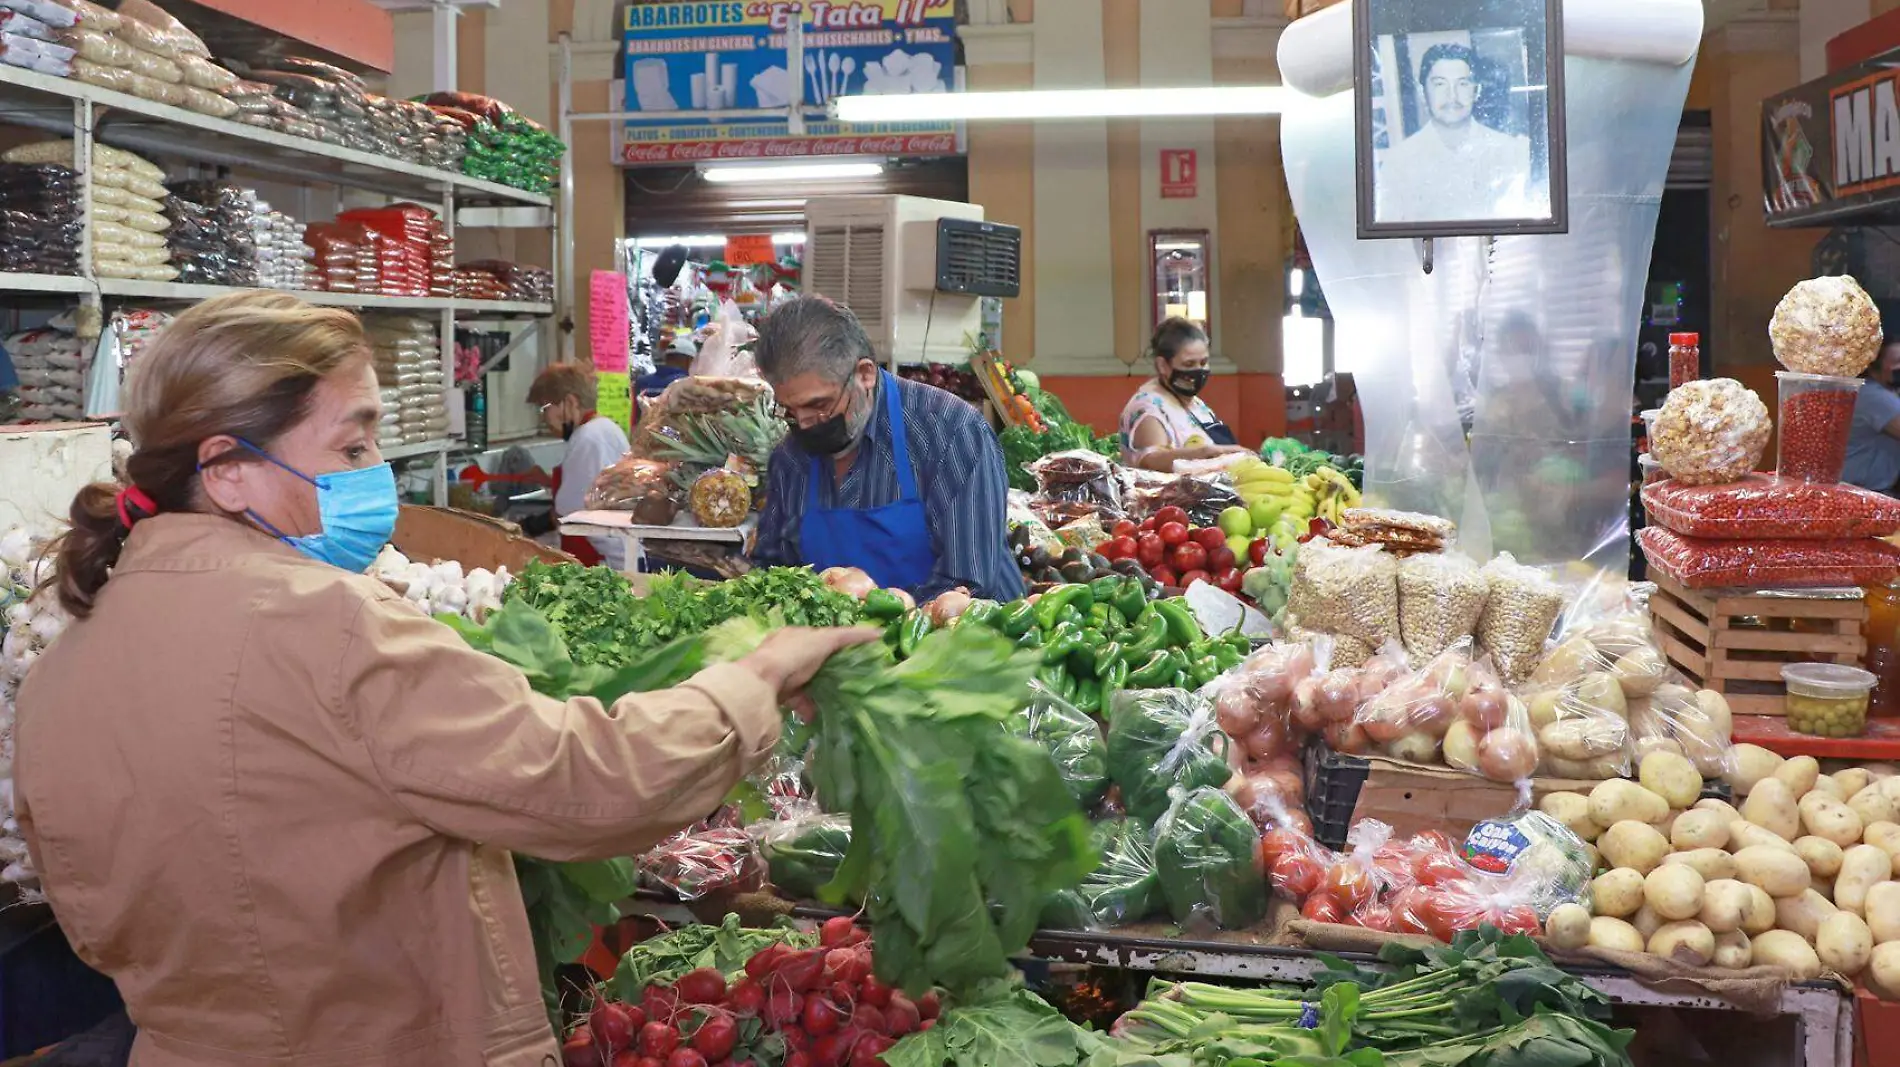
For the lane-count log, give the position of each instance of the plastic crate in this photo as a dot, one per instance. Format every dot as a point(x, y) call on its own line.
point(1334, 781)
point(47, 994)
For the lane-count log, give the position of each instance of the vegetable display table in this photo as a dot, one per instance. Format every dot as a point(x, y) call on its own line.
point(620, 524)
point(1881, 742)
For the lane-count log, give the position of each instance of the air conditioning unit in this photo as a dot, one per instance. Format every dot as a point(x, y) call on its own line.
point(912, 269)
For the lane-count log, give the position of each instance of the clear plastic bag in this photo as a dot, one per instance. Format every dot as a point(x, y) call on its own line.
point(1409, 716)
point(1769, 562)
point(641, 486)
point(1583, 728)
point(696, 862)
point(1441, 598)
point(1205, 851)
point(1764, 505)
point(1072, 739)
point(803, 853)
point(1076, 483)
point(1349, 591)
point(1125, 888)
point(1160, 739)
point(1521, 605)
point(1826, 325)
point(1710, 432)
point(1695, 723)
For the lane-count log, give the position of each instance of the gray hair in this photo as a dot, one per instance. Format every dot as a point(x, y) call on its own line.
point(811, 335)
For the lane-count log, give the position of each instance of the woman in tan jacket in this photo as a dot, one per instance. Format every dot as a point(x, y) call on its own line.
point(274, 801)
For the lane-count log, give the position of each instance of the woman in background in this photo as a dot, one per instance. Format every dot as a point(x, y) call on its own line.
point(1166, 420)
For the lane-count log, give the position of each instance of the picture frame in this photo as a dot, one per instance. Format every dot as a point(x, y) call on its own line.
point(1454, 135)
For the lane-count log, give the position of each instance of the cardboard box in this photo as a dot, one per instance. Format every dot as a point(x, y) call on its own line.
point(46, 464)
point(428, 534)
point(1412, 798)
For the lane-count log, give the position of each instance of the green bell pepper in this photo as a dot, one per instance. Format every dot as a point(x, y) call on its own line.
point(1105, 589)
point(1061, 644)
point(1088, 697)
point(1183, 628)
point(1130, 599)
point(1153, 672)
point(1031, 638)
point(1113, 681)
point(1019, 618)
point(1225, 655)
point(914, 628)
point(1050, 607)
point(1151, 635)
point(1203, 670)
point(986, 613)
point(883, 605)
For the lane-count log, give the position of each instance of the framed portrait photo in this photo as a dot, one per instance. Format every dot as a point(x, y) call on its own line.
point(1459, 115)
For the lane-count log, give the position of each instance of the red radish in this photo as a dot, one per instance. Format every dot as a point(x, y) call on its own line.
point(865, 1017)
point(847, 965)
point(926, 1026)
point(844, 992)
point(766, 960)
point(685, 1057)
point(658, 1039)
point(651, 1061)
point(829, 1050)
point(613, 1027)
point(798, 1059)
point(702, 986)
point(902, 1015)
point(660, 1003)
point(783, 1008)
point(836, 931)
point(876, 993)
point(627, 1057)
point(868, 1049)
point(821, 1016)
point(796, 1038)
point(716, 1038)
point(929, 1005)
point(803, 971)
point(748, 998)
point(579, 1051)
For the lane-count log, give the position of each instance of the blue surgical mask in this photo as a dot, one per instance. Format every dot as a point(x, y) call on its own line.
point(358, 510)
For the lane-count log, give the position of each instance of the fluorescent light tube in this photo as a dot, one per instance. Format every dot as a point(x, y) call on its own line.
point(1065, 104)
point(790, 172)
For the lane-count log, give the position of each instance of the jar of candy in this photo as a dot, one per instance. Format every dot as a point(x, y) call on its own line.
point(1685, 358)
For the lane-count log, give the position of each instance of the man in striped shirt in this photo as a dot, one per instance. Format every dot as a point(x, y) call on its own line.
point(902, 480)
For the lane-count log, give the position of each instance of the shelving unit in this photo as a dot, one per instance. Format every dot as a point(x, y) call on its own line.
point(88, 113)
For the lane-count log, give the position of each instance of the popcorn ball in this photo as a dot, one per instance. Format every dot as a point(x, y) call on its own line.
point(1826, 326)
point(1710, 432)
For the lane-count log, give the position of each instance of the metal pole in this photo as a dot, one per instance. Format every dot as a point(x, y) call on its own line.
point(564, 226)
point(794, 63)
point(444, 73)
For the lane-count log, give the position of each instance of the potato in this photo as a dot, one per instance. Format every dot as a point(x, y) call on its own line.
point(1883, 971)
point(1822, 856)
point(1674, 891)
point(1671, 777)
point(1566, 663)
point(1568, 927)
point(1861, 867)
point(1831, 820)
point(1573, 810)
point(1699, 828)
point(1542, 706)
point(1601, 691)
point(1825, 785)
point(1580, 740)
point(1615, 934)
point(1852, 780)
point(1761, 911)
point(1788, 950)
point(1617, 893)
point(1640, 671)
point(1883, 835)
point(1752, 764)
point(1799, 774)
point(1771, 806)
point(1890, 788)
point(1718, 721)
point(1780, 874)
point(1732, 951)
point(1873, 807)
point(1647, 922)
point(1655, 743)
point(1803, 914)
point(1824, 886)
point(1666, 826)
point(1844, 943)
point(1724, 905)
point(1744, 834)
point(1619, 799)
point(1688, 943)
point(1882, 911)
point(1636, 845)
point(1721, 807)
point(1708, 862)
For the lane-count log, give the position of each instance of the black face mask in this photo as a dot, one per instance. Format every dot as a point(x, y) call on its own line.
point(1188, 382)
point(567, 429)
point(831, 437)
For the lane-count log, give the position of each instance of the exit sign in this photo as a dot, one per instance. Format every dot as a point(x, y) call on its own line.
point(1180, 174)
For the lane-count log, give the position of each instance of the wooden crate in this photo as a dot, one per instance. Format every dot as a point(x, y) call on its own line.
point(1736, 643)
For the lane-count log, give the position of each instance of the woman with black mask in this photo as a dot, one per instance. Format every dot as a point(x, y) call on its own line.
point(1166, 420)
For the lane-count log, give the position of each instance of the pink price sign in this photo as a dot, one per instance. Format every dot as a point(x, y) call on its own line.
point(609, 330)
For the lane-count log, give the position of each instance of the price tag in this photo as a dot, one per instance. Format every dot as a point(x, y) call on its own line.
point(614, 397)
point(610, 334)
point(748, 249)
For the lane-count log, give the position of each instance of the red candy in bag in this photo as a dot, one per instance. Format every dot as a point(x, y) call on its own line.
point(1764, 505)
point(1700, 563)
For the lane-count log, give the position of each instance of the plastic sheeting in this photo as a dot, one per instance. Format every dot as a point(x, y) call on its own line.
point(1496, 389)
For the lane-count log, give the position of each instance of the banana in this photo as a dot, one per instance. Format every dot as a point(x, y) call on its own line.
point(1263, 472)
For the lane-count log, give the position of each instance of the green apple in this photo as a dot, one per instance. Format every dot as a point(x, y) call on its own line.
point(1236, 522)
point(1265, 510)
point(1238, 544)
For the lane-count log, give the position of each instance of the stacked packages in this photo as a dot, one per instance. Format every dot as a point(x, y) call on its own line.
point(335, 106)
point(410, 374)
point(282, 259)
point(496, 279)
point(39, 219)
point(210, 237)
point(141, 50)
point(128, 220)
point(32, 44)
point(52, 365)
point(408, 243)
point(1717, 524)
point(503, 146)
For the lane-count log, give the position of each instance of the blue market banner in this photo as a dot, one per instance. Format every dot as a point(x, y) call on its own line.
point(685, 57)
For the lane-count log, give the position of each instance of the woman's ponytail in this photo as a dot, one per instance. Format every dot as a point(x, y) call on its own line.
point(85, 554)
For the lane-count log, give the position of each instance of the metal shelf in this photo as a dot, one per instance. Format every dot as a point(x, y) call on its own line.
point(180, 291)
point(43, 283)
point(426, 448)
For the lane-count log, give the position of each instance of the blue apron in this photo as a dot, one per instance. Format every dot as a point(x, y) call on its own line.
point(891, 543)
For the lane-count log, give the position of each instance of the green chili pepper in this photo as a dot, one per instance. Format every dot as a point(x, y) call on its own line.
point(1238, 641)
point(1114, 681)
point(1019, 618)
point(982, 613)
point(1050, 607)
point(1031, 638)
point(1203, 670)
point(892, 631)
point(1068, 687)
point(1182, 627)
point(1099, 615)
point(1227, 657)
point(1107, 654)
point(1130, 599)
point(883, 605)
point(1050, 675)
point(915, 627)
point(1072, 616)
point(1151, 634)
point(1061, 644)
point(1088, 697)
point(1104, 590)
point(1153, 672)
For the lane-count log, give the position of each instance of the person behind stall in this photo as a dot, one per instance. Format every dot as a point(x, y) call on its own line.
point(565, 394)
point(288, 836)
point(1166, 420)
point(675, 363)
point(899, 479)
point(1873, 437)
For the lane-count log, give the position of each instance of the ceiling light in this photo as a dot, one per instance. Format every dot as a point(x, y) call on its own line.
point(703, 240)
point(1065, 104)
point(790, 172)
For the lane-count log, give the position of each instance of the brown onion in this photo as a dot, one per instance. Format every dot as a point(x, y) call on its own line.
point(1348, 737)
point(1338, 696)
point(1235, 710)
point(1506, 755)
point(1432, 715)
point(848, 580)
point(1267, 741)
point(1274, 685)
point(947, 607)
point(1484, 708)
point(1306, 710)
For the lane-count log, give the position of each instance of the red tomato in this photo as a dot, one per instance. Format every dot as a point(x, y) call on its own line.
point(1190, 577)
point(1349, 883)
point(1446, 914)
point(1124, 528)
point(1165, 575)
point(1209, 537)
point(1188, 557)
point(1277, 843)
point(1520, 920)
point(1172, 533)
point(1150, 549)
point(1257, 551)
point(1121, 545)
point(1437, 868)
point(1321, 908)
point(1231, 581)
point(1145, 525)
point(1220, 559)
point(1394, 868)
point(1375, 917)
point(1432, 839)
point(1168, 515)
point(1297, 874)
point(1408, 911)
